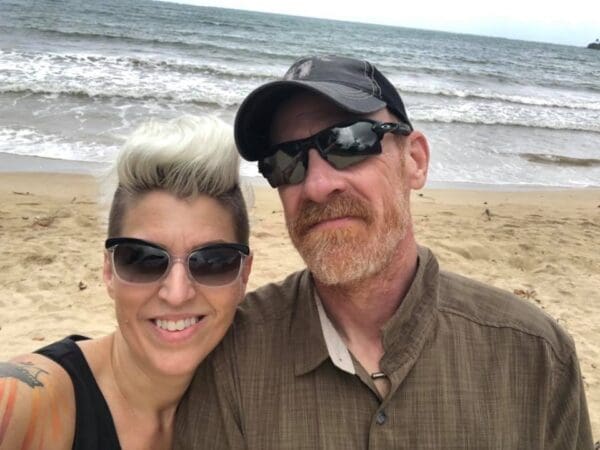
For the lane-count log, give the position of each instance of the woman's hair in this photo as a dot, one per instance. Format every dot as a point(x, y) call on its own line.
point(186, 157)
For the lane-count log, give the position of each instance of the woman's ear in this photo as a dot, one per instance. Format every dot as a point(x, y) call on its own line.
point(107, 274)
point(417, 159)
point(247, 268)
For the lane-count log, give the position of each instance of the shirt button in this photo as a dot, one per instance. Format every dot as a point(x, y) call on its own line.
point(381, 418)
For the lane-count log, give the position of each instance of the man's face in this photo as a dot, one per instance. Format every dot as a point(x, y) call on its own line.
point(347, 224)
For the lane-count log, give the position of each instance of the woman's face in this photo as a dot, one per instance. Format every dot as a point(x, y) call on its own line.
point(145, 312)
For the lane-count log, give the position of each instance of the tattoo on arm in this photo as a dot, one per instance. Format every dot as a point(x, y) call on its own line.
point(26, 372)
point(10, 375)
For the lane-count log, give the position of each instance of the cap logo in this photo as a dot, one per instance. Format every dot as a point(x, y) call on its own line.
point(299, 71)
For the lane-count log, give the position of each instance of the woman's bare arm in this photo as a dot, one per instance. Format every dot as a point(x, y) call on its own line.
point(36, 405)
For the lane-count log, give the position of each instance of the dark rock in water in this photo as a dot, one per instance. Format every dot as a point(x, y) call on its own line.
point(594, 45)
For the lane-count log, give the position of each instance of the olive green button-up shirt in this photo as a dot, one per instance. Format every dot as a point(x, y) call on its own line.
point(469, 367)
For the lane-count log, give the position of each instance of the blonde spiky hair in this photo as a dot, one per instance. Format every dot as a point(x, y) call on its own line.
point(185, 156)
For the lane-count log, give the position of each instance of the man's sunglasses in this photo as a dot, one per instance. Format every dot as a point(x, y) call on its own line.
point(341, 145)
point(139, 261)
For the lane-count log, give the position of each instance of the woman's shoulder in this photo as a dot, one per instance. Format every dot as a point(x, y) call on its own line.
point(37, 404)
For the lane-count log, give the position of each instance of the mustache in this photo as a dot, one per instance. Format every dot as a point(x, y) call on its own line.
point(341, 205)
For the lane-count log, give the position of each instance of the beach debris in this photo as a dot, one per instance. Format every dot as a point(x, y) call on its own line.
point(44, 221)
point(82, 286)
point(38, 260)
point(487, 213)
point(597, 445)
point(25, 217)
point(22, 193)
point(38, 338)
point(529, 294)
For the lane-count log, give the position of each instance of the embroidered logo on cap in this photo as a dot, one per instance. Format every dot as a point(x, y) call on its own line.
point(299, 71)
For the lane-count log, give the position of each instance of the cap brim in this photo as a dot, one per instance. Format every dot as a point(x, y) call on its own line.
point(253, 119)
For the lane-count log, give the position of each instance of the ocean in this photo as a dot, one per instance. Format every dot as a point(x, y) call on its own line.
point(77, 76)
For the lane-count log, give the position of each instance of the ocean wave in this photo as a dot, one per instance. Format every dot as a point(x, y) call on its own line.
point(234, 70)
point(77, 93)
point(221, 72)
point(504, 98)
point(27, 141)
point(243, 62)
point(432, 118)
point(217, 100)
point(251, 49)
point(72, 34)
point(560, 160)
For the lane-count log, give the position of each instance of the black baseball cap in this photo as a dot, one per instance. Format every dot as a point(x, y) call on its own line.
point(352, 84)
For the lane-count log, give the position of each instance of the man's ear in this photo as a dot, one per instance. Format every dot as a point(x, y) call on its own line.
point(417, 160)
point(108, 275)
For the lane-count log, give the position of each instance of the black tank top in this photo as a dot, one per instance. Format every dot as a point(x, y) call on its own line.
point(94, 426)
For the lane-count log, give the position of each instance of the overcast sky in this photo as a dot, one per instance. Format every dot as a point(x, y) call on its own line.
point(572, 22)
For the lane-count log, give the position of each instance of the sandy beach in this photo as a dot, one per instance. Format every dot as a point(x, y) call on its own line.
point(542, 245)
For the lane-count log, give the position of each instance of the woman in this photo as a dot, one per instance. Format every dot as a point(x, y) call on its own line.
point(176, 265)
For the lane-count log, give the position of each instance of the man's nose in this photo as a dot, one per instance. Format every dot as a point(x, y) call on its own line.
point(322, 179)
point(177, 287)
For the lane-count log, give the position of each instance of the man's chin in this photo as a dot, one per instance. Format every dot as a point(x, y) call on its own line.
point(336, 261)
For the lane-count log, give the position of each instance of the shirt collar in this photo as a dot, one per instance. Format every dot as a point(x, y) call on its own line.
point(405, 334)
point(307, 341)
point(337, 350)
point(314, 338)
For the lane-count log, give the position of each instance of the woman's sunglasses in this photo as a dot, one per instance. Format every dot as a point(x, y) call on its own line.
point(341, 146)
point(139, 261)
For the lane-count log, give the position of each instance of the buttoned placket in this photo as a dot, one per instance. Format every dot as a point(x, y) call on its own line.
point(341, 357)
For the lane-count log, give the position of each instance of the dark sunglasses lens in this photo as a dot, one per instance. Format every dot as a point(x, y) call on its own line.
point(345, 146)
point(340, 146)
point(216, 266)
point(138, 263)
point(284, 168)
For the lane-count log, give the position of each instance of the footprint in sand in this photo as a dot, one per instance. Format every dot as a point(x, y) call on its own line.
point(37, 260)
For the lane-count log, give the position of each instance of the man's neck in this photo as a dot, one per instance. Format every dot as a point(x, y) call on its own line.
point(360, 310)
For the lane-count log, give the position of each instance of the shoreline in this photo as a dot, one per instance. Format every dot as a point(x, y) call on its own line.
point(13, 163)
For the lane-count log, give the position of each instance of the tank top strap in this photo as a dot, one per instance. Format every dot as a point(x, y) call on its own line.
point(94, 426)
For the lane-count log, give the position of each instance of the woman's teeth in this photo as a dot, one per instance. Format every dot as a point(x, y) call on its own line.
point(176, 325)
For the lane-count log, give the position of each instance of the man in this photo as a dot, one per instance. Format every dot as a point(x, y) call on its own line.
point(372, 346)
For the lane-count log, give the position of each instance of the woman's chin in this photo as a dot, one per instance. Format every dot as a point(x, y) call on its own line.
point(178, 364)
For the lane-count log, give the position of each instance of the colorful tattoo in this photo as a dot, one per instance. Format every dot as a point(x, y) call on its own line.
point(10, 375)
point(33, 419)
point(9, 387)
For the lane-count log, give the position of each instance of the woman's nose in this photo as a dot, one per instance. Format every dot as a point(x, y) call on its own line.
point(176, 286)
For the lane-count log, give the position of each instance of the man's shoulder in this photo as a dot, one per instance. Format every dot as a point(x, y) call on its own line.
point(274, 301)
point(262, 324)
point(487, 306)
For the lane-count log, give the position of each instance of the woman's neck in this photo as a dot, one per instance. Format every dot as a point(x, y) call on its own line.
point(142, 402)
